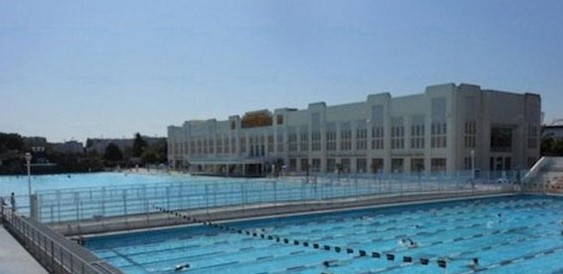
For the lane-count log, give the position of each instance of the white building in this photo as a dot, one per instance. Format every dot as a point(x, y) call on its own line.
point(438, 130)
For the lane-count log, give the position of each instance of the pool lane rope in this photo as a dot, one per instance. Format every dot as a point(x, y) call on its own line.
point(442, 262)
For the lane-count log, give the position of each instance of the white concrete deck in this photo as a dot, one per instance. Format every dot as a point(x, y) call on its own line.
point(14, 259)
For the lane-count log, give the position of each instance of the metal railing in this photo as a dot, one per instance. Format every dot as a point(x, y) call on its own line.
point(52, 250)
point(97, 204)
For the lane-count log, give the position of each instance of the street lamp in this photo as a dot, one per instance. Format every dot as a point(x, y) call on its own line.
point(28, 161)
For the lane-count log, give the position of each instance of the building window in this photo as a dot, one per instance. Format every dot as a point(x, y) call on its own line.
point(417, 164)
point(439, 131)
point(377, 124)
point(233, 125)
point(397, 133)
point(345, 165)
point(292, 139)
point(233, 145)
point(279, 119)
point(438, 164)
point(330, 165)
point(220, 146)
point(470, 131)
point(377, 165)
point(345, 137)
point(501, 138)
point(377, 138)
point(304, 164)
point(316, 165)
point(242, 145)
point(279, 142)
point(397, 165)
point(304, 139)
point(192, 147)
point(361, 138)
point(331, 137)
point(361, 165)
point(316, 141)
point(270, 143)
point(292, 164)
point(199, 147)
point(417, 133)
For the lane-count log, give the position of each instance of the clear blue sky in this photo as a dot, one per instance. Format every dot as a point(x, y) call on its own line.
point(78, 69)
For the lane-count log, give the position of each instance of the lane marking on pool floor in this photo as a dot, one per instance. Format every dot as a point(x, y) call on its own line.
point(390, 257)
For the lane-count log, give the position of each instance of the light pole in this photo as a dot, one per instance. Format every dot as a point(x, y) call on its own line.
point(473, 164)
point(28, 161)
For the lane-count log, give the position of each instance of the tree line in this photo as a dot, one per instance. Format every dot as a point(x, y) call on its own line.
point(13, 147)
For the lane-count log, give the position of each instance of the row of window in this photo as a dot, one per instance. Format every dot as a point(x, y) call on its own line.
point(377, 165)
point(294, 144)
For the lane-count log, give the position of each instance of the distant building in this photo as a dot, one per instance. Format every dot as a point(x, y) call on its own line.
point(554, 130)
point(74, 147)
point(447, 128)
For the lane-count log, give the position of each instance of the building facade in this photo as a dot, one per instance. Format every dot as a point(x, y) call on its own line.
point(445, 129)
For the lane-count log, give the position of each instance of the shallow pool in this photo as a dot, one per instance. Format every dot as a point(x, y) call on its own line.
point(509, 234)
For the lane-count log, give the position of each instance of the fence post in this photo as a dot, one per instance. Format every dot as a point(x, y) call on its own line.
point(71, 264)
point(167, 190)
point(52, 255)
point(124, 194)
point(215, 190)
point(62, 256)
point(275, 192)
point(103, 201)
point(356, 186)
point(245, 194)
point(207, 198)
point(76, 198)
point(242, 195)
point(146, 203)
point(52, 217)
point(33, 207)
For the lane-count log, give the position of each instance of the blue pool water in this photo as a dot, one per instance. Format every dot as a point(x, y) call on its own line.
point(18, 184)
point(509, 234)
point(84, 181)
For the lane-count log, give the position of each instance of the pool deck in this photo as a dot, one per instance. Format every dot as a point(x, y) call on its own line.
point(14, 259)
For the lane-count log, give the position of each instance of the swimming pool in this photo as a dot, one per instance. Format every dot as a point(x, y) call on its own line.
point(519, 234)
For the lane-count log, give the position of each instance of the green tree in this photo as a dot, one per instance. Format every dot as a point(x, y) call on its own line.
point(558, 147)
point(546, 146)
point(89, 142)
point(10, 141)
point(551, 146)
point(139, 145)
point(149, 156)
point(155, 154)
point(113, 153)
